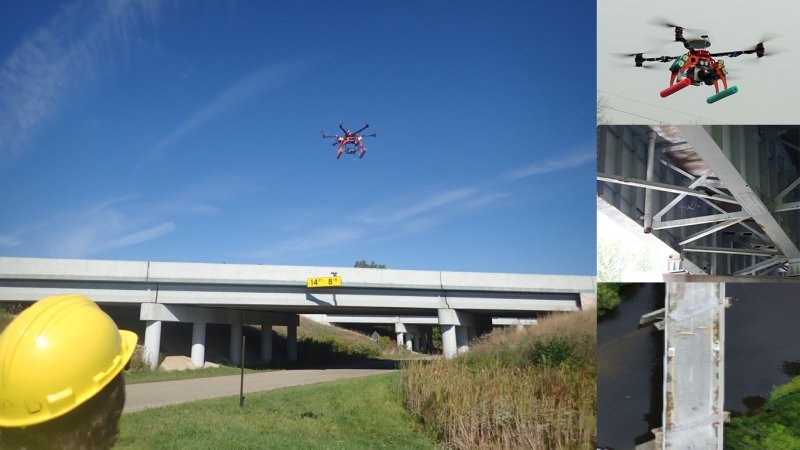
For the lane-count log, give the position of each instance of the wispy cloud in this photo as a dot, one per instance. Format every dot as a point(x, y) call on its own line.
point(552, 165)
point(414, 208)
point(314, 240)
point(137, 237)
point(37, 75)
point(410, 215)
point(247, 88)
point(9, 241)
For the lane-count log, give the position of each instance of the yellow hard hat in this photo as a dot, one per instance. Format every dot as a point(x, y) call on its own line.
point(55, 355)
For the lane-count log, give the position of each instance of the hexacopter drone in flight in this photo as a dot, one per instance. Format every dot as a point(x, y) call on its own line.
point(350, 141)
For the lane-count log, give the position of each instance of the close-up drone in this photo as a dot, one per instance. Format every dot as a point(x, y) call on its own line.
point(698, 66)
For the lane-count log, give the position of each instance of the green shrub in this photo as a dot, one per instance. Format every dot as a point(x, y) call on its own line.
point(607, 297)
point(777, 427)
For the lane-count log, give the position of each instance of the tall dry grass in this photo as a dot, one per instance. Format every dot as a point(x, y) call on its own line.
point(529, 389)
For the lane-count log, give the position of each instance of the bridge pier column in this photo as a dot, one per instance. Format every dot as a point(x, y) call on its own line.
point(416, 342)
point(236, 343)
point(399, 338)
point(152, 343)
point(266, 342)
point(291, 342)
point(449, 346)
point(409, 343)
point(199, 344)
point(462, 339)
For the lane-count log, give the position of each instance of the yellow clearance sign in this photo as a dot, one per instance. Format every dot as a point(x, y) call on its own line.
point(321, 282)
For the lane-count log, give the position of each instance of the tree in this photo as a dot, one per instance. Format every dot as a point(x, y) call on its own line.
point(363, 264)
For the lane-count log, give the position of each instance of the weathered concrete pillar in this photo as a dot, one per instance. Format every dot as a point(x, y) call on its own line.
point(449, 346)
point(291, 342)
point(266, 342)
point(399, 339)
point(199, 344)
point(409, 343)
point(236, 343)
point(462, 339)
point(152, 343)
point(416, 342)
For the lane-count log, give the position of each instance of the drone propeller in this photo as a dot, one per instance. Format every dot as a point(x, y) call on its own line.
point(663, 22)
point(627, 65)
point(759, 50)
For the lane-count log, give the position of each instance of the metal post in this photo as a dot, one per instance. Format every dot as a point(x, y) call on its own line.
point(241, 379)
point(648, 193)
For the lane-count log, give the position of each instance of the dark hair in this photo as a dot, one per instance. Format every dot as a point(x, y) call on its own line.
point(92, 425)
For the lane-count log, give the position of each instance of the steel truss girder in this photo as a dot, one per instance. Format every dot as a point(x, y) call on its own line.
point(714, 157)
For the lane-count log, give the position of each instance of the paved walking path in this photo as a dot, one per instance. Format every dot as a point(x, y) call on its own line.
point(143, 396)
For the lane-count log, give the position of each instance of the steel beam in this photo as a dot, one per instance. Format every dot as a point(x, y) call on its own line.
point(783, 207)
point(730, 251)
point(660, 225)
point(608, 178)
point(648, 193)
point(766, 264)
point(710, 230)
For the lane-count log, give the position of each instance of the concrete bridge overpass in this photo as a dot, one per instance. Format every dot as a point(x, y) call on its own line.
point(239, 294)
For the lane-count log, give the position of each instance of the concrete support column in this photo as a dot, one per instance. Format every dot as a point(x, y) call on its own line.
point(409, 343)
point(416, 342)
point(449, 346)
point(199, 344)
point(236, 343)
point(291, 342)
point(266, 342)
point(462, 339)
point(152, 343)
point(399, 339)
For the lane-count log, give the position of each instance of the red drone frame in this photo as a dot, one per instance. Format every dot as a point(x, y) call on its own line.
point(698, 66)
point(350, 141)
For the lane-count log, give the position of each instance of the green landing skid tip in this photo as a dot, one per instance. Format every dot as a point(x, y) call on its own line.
point(719, 96)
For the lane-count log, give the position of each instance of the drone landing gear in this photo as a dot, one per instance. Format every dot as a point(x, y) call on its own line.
point(722, 94)
point(676, 87)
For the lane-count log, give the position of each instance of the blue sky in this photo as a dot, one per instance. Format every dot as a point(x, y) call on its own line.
point(190, 131)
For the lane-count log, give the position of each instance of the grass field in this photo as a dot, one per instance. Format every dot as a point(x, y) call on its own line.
point(531, 389)
point(359, 413)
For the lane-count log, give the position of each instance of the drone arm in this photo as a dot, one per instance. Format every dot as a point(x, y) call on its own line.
point(363, 128)
point(733, 54)
point(341, 127)
point(660, 58)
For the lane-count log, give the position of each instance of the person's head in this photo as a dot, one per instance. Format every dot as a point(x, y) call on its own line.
point(61, 383)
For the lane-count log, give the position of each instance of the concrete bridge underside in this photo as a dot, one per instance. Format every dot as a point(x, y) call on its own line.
point(726, 198)
point(463, 303)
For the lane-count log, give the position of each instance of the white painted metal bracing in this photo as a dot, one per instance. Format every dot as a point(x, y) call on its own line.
point(725, 197)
